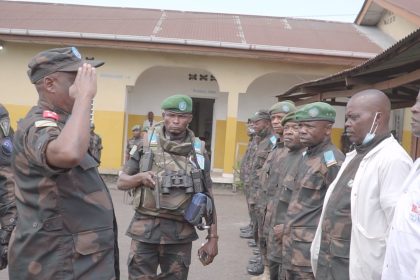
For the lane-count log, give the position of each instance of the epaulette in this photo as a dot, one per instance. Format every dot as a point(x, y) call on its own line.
point(329, 158)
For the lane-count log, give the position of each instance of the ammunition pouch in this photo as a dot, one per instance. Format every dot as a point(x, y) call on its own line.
point(197, 177)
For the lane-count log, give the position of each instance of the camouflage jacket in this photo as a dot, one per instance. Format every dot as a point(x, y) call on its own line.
point(66, 227)
point(279, 202)
point(316, 170)
point(269, 174)
point(163, 228)
point(95, 146)
point(246, 164)
point(336, 223)
point(245, 159)
point(264, 147)
point(8, 212)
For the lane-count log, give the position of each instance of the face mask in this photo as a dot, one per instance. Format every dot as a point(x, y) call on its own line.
point(371, 134)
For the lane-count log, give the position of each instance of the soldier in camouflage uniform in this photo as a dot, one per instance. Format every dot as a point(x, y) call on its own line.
point(316, 170)
point(265, 143)
point(367, 112)
point(8, 213)
point(162, 175)
point(136, 141)
point(66, 227)
point(286, 170)
point(269, 172)
point(95, 144)
point(244, 169)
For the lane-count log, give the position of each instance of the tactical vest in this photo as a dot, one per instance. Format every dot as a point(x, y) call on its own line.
point(178, 176)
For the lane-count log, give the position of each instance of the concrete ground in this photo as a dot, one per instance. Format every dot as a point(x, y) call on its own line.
point(234, 253)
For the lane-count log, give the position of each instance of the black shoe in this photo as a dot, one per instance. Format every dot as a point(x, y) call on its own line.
point(246, 230)
point(255, 269)
point(247, 227)
point(256, 251)
point(255, 259)
point(252, 243)
point(247, 235)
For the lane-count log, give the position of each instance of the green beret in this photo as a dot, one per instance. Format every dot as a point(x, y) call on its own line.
point(286, 107)
point(178, 103)
point(136, 127)
point(260, 115)
point(317, 111)
point(289, 117)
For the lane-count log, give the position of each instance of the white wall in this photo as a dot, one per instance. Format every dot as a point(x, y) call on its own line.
point(157, 83)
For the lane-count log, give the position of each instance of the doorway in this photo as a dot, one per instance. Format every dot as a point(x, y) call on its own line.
point(202, 121)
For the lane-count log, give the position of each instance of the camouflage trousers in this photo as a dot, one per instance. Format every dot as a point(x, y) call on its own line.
point(144, 258)
point(297, 275)
point(274, 269)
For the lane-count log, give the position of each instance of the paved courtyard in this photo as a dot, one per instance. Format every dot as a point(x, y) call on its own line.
point(233, 252)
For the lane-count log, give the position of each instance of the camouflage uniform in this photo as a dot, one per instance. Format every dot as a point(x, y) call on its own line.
point(8, 213)
point(95, 146)
point(67, 227)
point(268, 184)
point(286, 170)
point(333, 258)
point(161, 236)
point(246, 166)
point(316, 170)
point(257, 202)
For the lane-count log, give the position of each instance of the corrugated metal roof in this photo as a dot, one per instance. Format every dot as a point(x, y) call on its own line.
point(399, 60)
point(242, 30)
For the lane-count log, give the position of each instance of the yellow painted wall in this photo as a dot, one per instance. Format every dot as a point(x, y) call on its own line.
point(16, 112)
point(336, 136)
point(219, 145)
point(133, 119)
point(110, 126)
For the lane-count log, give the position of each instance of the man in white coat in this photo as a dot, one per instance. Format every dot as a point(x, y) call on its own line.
point(402, 259)
point(350, 241)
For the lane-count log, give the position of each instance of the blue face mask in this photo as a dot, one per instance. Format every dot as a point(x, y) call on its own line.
point(371, 134)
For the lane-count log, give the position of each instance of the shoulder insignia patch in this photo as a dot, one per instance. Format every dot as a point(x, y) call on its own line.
point(45, 123)
point(329, 158)
point(273, 140)
point(197, 145)
point(153, 139)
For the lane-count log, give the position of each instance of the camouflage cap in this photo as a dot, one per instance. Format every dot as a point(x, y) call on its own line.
point(57, 60)
point(136, 127)
point(290, 117)
point(260, 115)
point(286, 106)
point(178, 103)
point(317, 111)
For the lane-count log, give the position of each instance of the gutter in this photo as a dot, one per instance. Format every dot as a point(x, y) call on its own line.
point(186, 42)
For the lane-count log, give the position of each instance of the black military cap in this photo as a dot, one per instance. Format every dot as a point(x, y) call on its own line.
point(57, 60)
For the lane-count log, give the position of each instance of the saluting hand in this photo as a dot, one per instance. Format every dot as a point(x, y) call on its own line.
point(85, 84)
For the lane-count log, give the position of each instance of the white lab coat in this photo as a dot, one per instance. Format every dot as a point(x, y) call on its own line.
point(402, 258)
point(376, 188)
